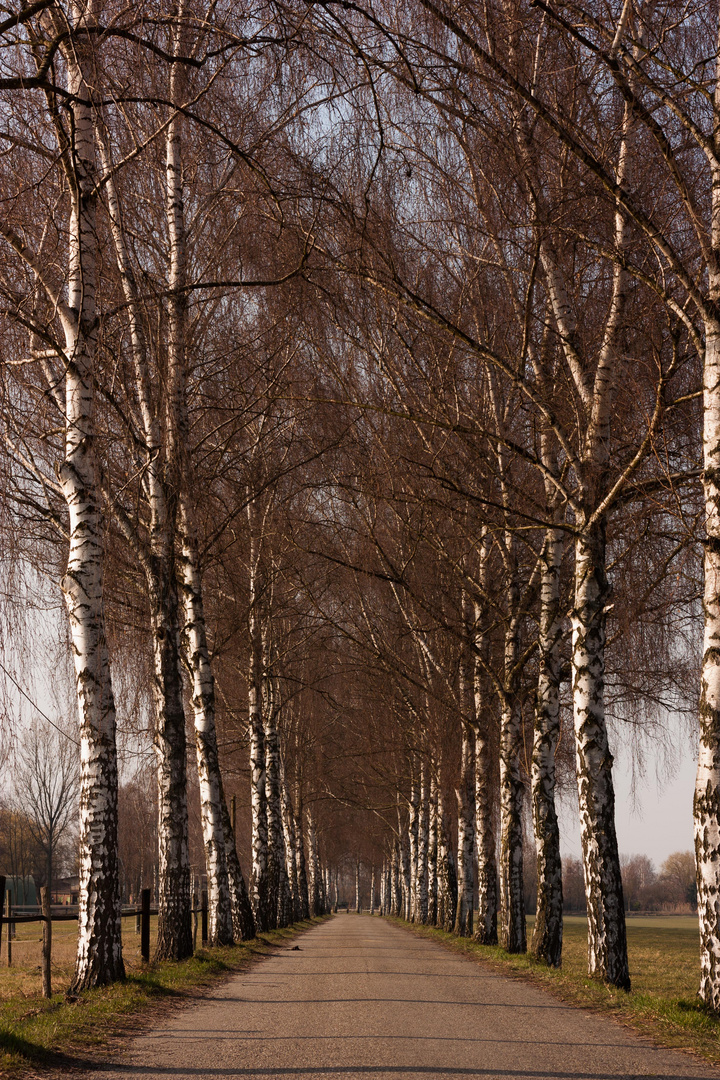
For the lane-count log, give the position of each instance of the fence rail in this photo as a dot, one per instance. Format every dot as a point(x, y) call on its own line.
point(45, 915)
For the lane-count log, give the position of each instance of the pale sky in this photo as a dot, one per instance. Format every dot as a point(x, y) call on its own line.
point(658, 820)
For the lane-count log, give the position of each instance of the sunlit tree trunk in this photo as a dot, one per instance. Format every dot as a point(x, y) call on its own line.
point(300, 861)
point(432, 916)
point(259, 894)
point(466, 806)
point(547, 933)
point(447, 875)
point(412, 847)
point(607, 945)
point(288, 819)
point(421, 912)
point(404, 853)
point(395, 893)
point(486, 927)
point(99, 953)
point(512, 900)
point(315, 882)
point(278, 887)
point(242, 913)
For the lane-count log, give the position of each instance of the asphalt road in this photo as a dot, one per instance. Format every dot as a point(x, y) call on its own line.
point(361, 998)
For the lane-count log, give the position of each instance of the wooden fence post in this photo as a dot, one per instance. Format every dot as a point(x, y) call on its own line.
point(2, 904)
point(8, 913)
point(204, 916)
point(194, 916)
point(145, 926)
point(46, 941)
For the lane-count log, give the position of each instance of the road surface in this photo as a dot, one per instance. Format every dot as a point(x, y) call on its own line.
point(361, 998)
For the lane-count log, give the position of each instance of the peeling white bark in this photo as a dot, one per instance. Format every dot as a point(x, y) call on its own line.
point(421, 911)
point(548, 930)
point(99, 954)
point(607, 945)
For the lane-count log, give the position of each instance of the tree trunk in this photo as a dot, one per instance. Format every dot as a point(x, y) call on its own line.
point(242, 913)
point(300, 857)
point(220, 923)
point(99, 953)
point(421, 912)
point(432, 915)
point(447, 877)
point(404, 868)
point(174, 939)
point(486, 929)
point(259, 896)
point(512, 911)
point(607, 945)
point(466, 824)
point(316, 906)
point(412, 848)
point(395, 894)
point(288, 820)
point(278, 887)
point(548, 930)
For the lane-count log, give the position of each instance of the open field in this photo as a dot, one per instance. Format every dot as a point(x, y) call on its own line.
point(664, 969)
point(36, 1032)
point(23, 978)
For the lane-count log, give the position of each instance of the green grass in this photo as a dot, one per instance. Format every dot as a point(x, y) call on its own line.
point(53, 1032)
point(664, 969)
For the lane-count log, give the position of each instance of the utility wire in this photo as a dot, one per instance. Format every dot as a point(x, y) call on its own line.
point(36, 706)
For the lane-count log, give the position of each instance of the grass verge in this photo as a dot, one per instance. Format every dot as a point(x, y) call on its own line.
point(664, 968)
point(38, 1033)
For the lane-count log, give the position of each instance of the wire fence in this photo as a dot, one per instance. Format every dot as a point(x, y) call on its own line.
point(46, 913)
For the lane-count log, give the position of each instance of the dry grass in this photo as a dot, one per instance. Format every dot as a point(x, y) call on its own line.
point(39, 1033)
point(23, 980)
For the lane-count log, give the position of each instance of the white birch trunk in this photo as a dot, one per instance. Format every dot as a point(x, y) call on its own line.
point(465, 796)
point(278, 887)
point(486, 930)
point(706, 807)
point(260, 899)
point(288, 820)
point(357, 888)
point(421, 912)
point(548, 930)
point(404, 853)
point(300, 857)
point(447, 876)
point(99, 952)
point(220, 921)
point(243, 920)
point(512, 901)
point(432, 915)
point(395, 894)
point(315, 882)
point(412, 847)
point(607, 945)
point(174, 916)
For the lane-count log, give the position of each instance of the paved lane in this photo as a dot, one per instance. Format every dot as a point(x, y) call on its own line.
point(365, 999)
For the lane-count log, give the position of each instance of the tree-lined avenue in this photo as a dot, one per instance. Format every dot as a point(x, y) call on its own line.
point(363, 998)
